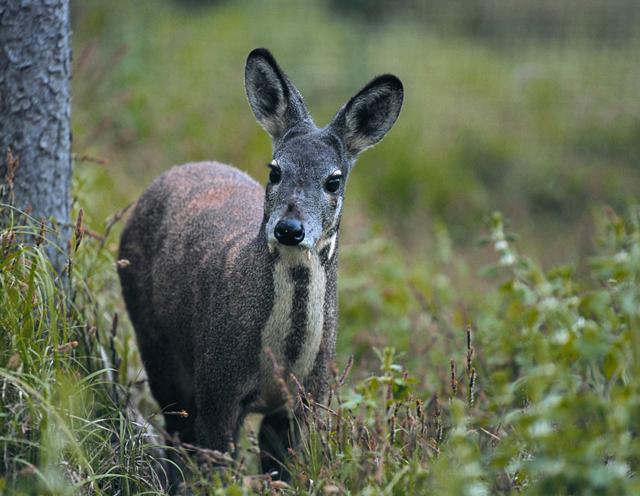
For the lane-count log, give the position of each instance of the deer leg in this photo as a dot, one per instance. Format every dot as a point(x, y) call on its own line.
point(278, 433)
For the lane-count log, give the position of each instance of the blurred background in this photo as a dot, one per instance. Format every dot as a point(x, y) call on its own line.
point(527, 107)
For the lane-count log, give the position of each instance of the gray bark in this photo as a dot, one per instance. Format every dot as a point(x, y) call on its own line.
point(35, 71)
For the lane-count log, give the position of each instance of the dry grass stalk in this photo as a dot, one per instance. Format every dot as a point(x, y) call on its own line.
point(115, 356)
point(180, 413)
point(93, 330)
point(438, 421)
point(14, 362)
point(8, 239)
point(472, 387)
point(454, 380)
point(346, 371)
point(113, 221)
point(79, 230)
point(209, 455)
point(12, 166)
point(93, 234)
point(67, 347)
point(470, 351)
point(89, 158)
point(278, 374)
point(41, 237)
point(392, 426)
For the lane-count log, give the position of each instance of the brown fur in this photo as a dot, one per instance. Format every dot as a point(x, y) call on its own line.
point(198, 290)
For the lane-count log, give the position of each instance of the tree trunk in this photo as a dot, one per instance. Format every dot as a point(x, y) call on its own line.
point(35, 55)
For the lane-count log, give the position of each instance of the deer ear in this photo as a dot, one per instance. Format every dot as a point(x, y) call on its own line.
point(275, 101)
point(370, 114)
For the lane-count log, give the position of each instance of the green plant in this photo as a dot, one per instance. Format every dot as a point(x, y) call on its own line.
point(66, 424)
point(537, 396)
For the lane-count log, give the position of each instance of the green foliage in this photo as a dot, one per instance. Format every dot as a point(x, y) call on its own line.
point(563, 356)
point(65, 425)
point(538, 395)
point(537, 129)
point(546, 402)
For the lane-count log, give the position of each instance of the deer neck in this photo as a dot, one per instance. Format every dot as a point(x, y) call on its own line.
point(294, 329)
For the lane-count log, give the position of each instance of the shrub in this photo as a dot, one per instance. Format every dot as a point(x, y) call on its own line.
point(539, 394)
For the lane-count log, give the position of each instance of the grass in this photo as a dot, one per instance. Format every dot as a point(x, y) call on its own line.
point(536, 394)
point(541, 130)
point(66, 428)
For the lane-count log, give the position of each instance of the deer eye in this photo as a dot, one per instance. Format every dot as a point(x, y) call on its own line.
point(333, 182)
point(275, 174)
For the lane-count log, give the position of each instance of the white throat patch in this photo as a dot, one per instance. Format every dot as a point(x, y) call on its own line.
point(279, 325)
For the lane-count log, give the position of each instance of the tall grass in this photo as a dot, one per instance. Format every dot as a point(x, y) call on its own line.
point(67, 424)
point(528, 387)
point(540, 396)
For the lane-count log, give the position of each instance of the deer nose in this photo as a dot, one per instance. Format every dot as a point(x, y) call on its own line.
point(289, 232)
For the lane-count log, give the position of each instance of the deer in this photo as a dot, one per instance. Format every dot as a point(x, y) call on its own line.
point(228, 281)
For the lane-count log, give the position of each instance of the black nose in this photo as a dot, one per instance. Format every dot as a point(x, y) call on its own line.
point(289, 232)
